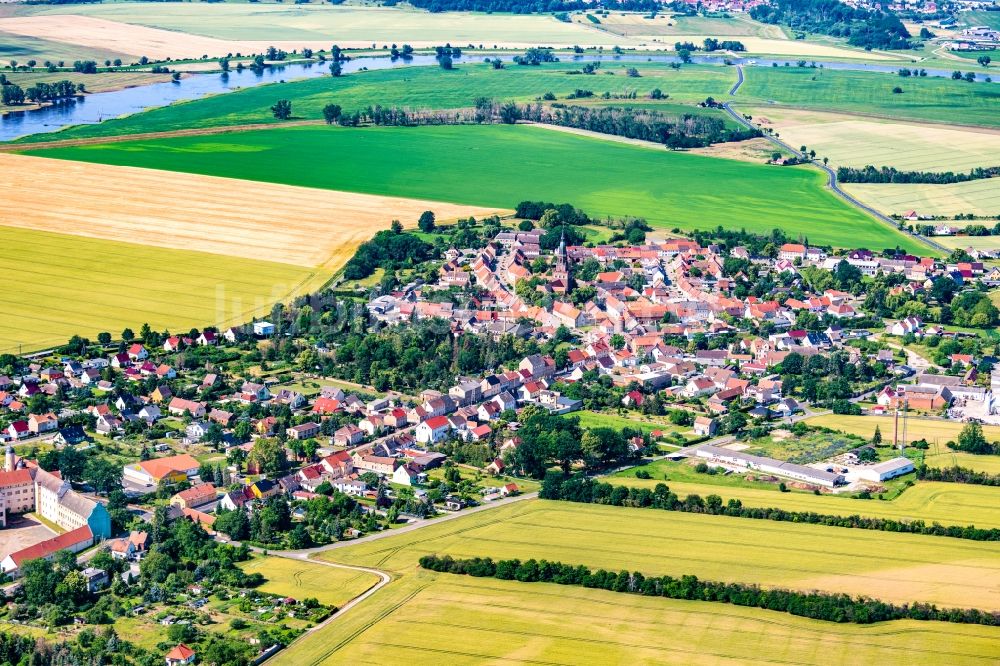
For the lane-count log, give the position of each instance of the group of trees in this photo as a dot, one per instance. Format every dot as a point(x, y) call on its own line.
point(957, 474)
point(674, 131)
point(422, 355)
point(831, 607)
point(870, 174)
point(972, 440)
point(869, 29)
point(579, 488)
point(549, 439)
point(387, 249)
point(710, 44)
point(11, 95)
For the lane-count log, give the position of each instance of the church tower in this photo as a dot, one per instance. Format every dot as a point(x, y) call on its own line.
point(561, 271)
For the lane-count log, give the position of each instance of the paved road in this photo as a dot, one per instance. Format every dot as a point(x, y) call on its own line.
point(831, 174)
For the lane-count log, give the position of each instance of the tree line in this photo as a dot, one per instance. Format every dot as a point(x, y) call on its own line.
point(579, 488)
point(886, 174)
point(826, 606)
point(957, 474)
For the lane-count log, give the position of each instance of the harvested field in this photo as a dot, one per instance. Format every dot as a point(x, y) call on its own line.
point(630, 24)
point(423, 618)
point(21, 48)
point(124, 246)
point(757, 151)
point(980, 197)
point(92, 33)
point(294, 225)
point(161, 30)
point(886, 565)
point(977, 242)
point(856, 141)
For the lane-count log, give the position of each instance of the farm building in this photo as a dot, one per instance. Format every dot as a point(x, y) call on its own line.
point(886, 470)
point(771, 466)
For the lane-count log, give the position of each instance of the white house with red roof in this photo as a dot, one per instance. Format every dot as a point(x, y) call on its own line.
point(432, 430)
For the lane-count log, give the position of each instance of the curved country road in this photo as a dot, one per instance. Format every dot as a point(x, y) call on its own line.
point(831, 174)
point(384, 577)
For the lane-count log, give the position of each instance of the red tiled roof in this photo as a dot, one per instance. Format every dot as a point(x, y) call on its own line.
point(53, 545)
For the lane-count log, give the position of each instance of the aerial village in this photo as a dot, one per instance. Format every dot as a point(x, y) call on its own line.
point(716, 341)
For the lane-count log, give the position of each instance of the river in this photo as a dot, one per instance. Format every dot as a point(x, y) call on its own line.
point(97, 107)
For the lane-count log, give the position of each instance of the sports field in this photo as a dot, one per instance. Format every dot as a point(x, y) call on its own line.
point(934, 99)
point(420, 88)
point(116, 247)
point(166, 30)
point(856, 141)
point(945, 503)
point(498, 166)
point(301, 580)
point(980, 197)
point(899, 567)
point(429, 619)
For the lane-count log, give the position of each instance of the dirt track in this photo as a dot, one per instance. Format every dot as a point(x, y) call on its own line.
point(294, 225)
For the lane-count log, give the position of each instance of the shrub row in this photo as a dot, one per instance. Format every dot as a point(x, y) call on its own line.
point(957, 474)
point(815, 605)
point(588, 491)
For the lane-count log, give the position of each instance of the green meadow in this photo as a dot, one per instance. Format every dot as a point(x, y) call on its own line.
point(944, 503)
point(58, 285)
point(930, 98)
point(419, 88)
point(502, 165)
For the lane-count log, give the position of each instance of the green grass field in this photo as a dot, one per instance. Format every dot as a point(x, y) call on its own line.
point(502, 165)
point(59, 285)
point(887, 565)
point(634, 420)
point(417, 88)
point(427, 618)
point(941, 455)
point(934, 99)
point(945, 503)
point(980, 17)
point(301, 580)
